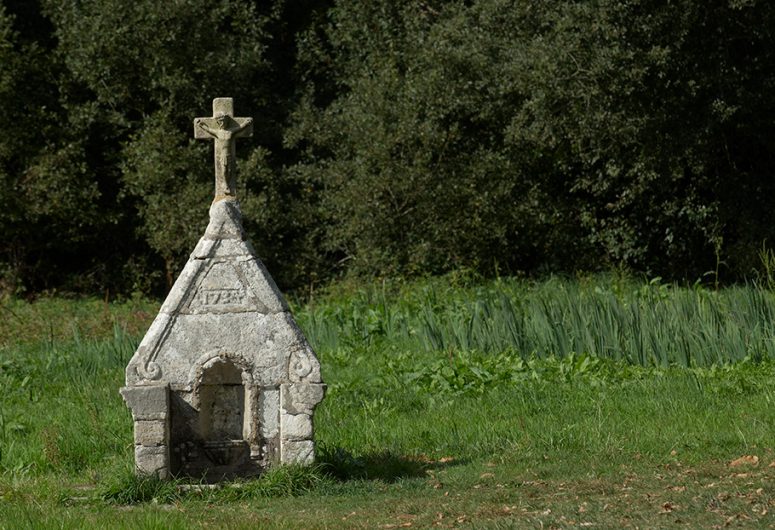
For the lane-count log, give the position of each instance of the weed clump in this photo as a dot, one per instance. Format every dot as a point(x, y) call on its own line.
point(128, 488)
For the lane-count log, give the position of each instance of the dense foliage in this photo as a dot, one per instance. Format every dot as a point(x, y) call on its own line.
point(394, 137)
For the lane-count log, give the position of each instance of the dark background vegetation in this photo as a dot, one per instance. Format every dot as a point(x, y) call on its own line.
point(394, 137)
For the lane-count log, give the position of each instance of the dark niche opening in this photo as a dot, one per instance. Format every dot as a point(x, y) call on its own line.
point(222, 414)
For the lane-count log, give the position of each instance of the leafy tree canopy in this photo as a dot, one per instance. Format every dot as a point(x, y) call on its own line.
point(393, 137)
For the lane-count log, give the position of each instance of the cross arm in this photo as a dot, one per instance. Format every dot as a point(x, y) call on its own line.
point(240, 127)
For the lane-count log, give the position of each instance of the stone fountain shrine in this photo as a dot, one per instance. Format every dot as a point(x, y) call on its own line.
point(224, 383)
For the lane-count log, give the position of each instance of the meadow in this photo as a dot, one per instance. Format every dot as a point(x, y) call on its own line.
point(598, 402)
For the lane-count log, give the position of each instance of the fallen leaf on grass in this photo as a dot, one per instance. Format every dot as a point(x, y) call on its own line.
point(668, 507)
point(486, 475)
point(739, 517)
point(407, 524)
point(745, 460)
point(677, 488)
point(425, 459)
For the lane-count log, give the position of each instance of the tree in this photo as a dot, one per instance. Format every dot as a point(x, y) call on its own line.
point(140, 71)
point(47, 200)
point(557, 135)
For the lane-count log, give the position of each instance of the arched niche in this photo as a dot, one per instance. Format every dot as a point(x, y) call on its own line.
point(222, 403)
point(226, 400)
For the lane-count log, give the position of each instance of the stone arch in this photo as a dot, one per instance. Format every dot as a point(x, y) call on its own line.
point(207, 360)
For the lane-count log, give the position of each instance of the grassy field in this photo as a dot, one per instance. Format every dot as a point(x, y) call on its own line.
point(602, 403)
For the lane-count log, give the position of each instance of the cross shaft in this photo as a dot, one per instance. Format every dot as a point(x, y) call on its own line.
point(224, 128)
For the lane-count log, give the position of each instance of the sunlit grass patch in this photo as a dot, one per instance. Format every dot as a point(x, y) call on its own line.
point(438, 410)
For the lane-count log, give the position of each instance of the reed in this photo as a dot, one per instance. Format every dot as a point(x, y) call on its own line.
point(651, 324)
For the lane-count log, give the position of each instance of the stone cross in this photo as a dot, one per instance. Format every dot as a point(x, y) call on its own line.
point(223, 384)
point(225, 129)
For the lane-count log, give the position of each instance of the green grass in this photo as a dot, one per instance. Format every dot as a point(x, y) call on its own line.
point(601, 402)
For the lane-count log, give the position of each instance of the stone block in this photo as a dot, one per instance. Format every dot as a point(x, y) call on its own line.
point(271, 451)
point(297, 452)
point(295, 426)
point(152, 460)
point(302, 370)
point(203, 249)
point(302, 398)
point(148, 402)
point(231, 248)
point(225, 221)
point(269, 407)
point(151, 432)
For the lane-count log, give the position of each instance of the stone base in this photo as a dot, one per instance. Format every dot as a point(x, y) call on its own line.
point(150, 411)
point(172, 438)
point(152, 461)
point(297, 403)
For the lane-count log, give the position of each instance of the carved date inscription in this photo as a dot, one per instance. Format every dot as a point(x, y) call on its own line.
point(219, 297)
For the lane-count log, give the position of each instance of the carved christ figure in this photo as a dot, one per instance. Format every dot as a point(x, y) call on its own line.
point(226, 131)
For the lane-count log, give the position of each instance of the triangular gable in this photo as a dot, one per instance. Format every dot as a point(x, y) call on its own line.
point(223, 285)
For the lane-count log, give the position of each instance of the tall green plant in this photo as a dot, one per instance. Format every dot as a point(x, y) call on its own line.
point(655, 324)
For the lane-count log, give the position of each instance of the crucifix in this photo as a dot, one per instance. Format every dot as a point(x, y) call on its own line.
point(225, 129)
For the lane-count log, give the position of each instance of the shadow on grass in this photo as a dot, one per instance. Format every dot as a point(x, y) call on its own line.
point(280, 481)
point(385, 466)
point(334, 465)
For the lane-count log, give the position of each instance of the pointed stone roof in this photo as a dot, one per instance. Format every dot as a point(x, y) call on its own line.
point(224, 301)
